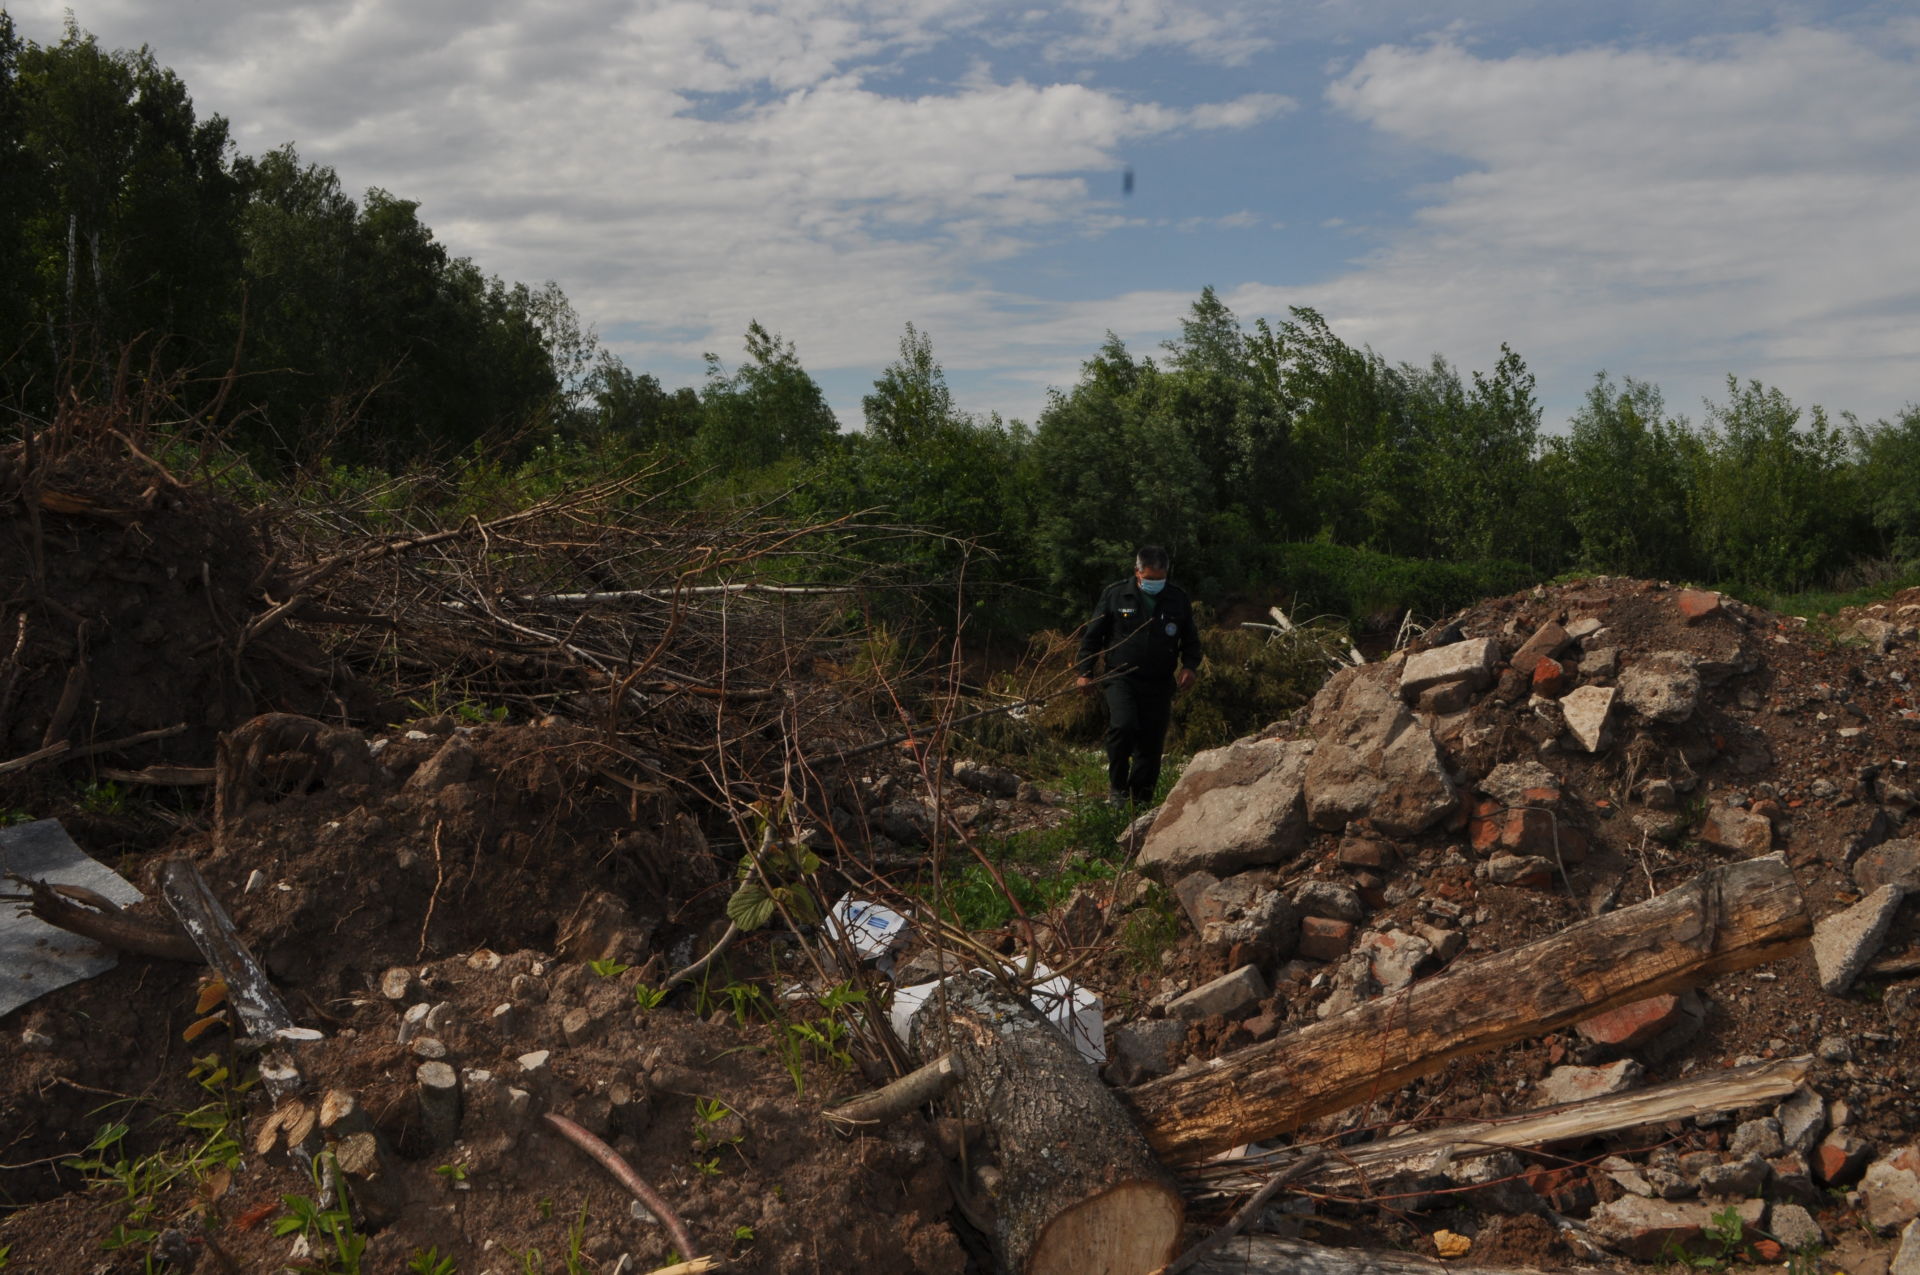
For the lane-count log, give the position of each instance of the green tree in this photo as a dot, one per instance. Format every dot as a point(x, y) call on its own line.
point(766, 410)
point(1888, 464)
point(910, 401)
point(127, 216)
point(1768, 495)
point(633, 406)
point(1625, 469)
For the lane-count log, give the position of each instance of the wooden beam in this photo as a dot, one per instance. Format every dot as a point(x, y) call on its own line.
point(1728, 919)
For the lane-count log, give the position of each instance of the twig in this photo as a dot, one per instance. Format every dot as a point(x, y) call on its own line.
point(64, 749)
point(915, 1089)
point(439, 876)
point(1245, 1213)
point(623, 1173)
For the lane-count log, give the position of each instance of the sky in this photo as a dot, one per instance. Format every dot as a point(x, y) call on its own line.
point(1672, 192)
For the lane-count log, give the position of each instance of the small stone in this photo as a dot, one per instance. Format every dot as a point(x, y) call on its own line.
point(1803, 1118)
point(1889, 863)
point(1834, 1049)
point(1735, 1180)
point(1757, 1137)
point(519, 1101)
point(1143, 1050)
point(38, 1041)
point(1794, 1227)
point(1632, 1024)
point(1646, 1229)
point(527, 989)
point(1445, 699)
point(1521, 870)
point(1547, 641)
point(1448, 1244)
point(1324, 938)
point(1697, 604)
point(1576, 1084)
point(1329, 899)
point(1841, 1158)
point(534, 1060)
point(1359, 852)
point(1393, 957)
point(1740, 830)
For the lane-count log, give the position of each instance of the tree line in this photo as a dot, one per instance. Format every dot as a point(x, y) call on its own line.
point(1275, 458)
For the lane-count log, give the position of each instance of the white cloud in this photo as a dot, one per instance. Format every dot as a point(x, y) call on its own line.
point(1740, 205)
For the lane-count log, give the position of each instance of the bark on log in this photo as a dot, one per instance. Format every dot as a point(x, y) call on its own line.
point(1269, 1255)
point(1729, 919)
point(1081, 1191)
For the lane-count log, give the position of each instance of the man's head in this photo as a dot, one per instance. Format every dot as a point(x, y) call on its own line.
point(1151, 563)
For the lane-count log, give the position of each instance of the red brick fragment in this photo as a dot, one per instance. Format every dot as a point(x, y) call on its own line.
point(1633, 1024)
point(1698, 604)
point(1323, 938)
point(1551, 679)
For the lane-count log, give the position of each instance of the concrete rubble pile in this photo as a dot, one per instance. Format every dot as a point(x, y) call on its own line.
point(1547, 758)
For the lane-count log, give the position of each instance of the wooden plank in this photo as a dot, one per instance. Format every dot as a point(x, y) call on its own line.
point(1430, 1150)
point(1731, 918)
point(1270, 1255)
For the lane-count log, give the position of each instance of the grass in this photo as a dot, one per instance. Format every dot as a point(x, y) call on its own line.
point(1042, 867)
point(1811, 603)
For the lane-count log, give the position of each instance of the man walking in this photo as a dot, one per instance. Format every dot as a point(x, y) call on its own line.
point(1144, 627)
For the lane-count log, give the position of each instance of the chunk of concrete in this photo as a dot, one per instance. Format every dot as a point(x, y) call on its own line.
point(1586, 710)
point(1471, 661)
point(1235, 807)
point(1890, 1191)
point(1844, 943)
point(1227, 995)
point(1889, 863)
point(1576, 1084)
point(1663, 687)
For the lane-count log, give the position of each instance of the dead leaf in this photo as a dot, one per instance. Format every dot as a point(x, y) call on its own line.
point(212, 992)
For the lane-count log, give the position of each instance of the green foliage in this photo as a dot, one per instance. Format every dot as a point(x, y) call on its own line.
point(429, 1262)
point(765, 410)
point(329, 1231)
point(608, 968)
point(648, 997)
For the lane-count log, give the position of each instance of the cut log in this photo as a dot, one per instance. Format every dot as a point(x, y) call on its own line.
point(1431, 1150)
point(1081, 1191)
point(1729, 919)
point(1269, 1255)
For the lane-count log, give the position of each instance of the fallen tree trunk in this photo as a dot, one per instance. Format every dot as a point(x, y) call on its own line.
point(1269, 1255)
point(1080, 1191)
point(1729, 919)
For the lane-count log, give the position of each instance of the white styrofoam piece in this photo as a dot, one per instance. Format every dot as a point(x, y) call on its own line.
point(1079, 1015)
point(872, 930)
point(35, 957)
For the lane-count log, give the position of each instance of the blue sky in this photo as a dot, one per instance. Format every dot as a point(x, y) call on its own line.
point(1672, 192)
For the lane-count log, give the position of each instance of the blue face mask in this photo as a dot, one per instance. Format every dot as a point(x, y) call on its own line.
point(1151, 587)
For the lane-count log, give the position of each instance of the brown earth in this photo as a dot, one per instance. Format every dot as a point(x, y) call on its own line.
point(493, 862)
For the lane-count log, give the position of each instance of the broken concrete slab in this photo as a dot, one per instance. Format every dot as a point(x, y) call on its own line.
point(1471, 661)
point(1143, 1050)
point(1844, 943)
point(36, 958)
point(1234, 807)
point(1644, 1229)
point(1891, 1189)
point(1227, 995)
point(1663, 687)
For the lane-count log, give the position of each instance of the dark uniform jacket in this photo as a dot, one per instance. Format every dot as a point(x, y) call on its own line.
point(1143, 637)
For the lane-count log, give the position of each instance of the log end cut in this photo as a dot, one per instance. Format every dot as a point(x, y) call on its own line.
point(1134, 1227)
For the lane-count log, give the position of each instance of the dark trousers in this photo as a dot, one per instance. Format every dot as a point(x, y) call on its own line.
point(1137, 714)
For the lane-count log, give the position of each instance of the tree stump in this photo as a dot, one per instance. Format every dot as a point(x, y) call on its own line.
point(1080, 1191)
